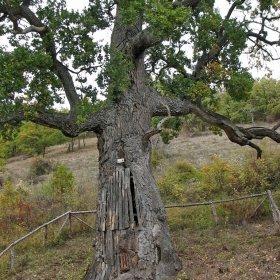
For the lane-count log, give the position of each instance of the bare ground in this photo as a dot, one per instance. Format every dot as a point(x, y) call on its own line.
point(250, 251)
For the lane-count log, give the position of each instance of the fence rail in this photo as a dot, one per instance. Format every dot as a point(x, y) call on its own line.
point(68, 216)
point(216, 201)
point(72, 214)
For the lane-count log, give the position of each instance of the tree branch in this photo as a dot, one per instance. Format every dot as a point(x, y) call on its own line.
point(276, 126)
point(143, 41)
point(186, 3)
point(158, 129)
point(177, 106)
point(66, 123)
point(58, 67)
point(9, 11)
point(232, 7)
point(12, 119)
point(262, 38)
point(260, 47)
point(239, 135)
point(31, 28)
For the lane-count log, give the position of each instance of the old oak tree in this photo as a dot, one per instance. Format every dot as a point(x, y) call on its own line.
point(165, 59)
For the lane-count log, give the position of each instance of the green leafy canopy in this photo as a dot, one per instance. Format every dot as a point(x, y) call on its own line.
point(199, 51)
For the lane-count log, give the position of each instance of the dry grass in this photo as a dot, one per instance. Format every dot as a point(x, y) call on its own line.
point(250, 251)
point(65, 261)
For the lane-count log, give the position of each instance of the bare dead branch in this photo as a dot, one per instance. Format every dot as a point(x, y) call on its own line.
point(32, 28)
point(158, 129)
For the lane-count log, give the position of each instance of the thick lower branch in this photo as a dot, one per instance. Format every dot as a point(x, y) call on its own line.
point(177, 106)
point(66, 123)
point(12, 119)
point(239, 135)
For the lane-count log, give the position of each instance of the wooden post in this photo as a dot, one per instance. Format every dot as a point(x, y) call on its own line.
point(257, 208)
point(215, 213)
point(274, 208)
point(60, 229)
point(70, 224)
point(83, 221)
point(45, 235)
point(13, 257)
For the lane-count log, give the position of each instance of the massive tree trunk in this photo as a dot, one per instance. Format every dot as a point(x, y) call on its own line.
point(132, 234)
point(133, 240)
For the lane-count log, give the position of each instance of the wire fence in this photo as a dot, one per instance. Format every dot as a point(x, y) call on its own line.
point(70, 215)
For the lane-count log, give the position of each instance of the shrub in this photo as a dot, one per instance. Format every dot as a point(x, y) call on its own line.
point(173, 187)
point(156, 158)
point(257, 175)
point(62, 183)
point(15, 209)
point(41, 166)
point(216, 177)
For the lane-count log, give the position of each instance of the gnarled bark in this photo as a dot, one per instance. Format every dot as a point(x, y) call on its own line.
point(132, 235)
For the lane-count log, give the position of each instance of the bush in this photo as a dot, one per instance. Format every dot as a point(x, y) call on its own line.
point(257, 175)
point(223, 179)
point(173, 187)
point(62, 183)
point(41, 166)
point(220, 179)
point(156, 158)
point(216, 178)
point(16, 210)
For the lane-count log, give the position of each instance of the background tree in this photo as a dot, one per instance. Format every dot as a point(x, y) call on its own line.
point(33, 138)
point(261, 104)
point(165, 58)
point(9, 135)
point(265, 99)
point(62, 184)
point(3, 152)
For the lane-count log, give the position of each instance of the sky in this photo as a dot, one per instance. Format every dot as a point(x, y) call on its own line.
point(257, 73)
